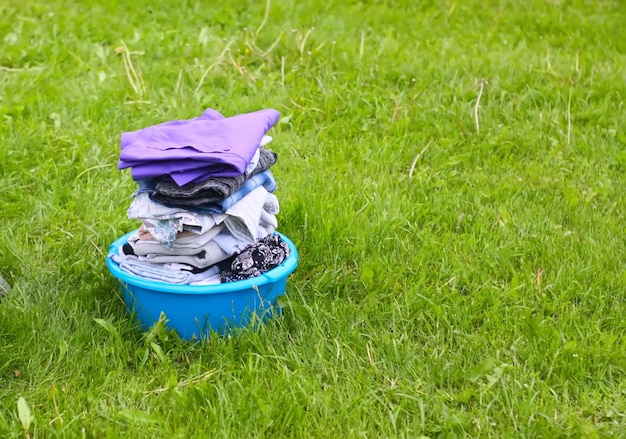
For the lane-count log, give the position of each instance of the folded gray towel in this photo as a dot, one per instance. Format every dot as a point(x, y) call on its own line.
point(210, 190)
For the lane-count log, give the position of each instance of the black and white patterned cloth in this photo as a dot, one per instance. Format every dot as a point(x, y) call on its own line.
point(267, 253)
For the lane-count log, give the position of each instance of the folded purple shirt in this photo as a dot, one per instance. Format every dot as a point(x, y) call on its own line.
point(183, 170)
point(190, 150)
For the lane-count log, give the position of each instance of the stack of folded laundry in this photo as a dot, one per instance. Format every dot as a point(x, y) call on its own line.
point(205, 200)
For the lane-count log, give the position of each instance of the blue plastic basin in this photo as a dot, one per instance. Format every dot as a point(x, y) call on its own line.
point(194, 311)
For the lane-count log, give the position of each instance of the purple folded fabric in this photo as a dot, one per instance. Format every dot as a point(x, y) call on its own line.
point(182, 171)
point(189, 150)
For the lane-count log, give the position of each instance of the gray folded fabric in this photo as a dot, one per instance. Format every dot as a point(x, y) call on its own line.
point(211, 254)
point(212, 189)
point(165, 273)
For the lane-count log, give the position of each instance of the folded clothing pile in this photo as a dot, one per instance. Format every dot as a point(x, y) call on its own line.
point(205, 200)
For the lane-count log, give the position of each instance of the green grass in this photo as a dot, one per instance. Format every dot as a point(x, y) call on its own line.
point(478, 293)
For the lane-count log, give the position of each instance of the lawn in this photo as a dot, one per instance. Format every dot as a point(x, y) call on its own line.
point(452, 174)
